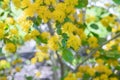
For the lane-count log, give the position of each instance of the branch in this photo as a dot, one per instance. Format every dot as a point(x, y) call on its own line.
point(71, 67)
point(61, 65)
point(94, 50)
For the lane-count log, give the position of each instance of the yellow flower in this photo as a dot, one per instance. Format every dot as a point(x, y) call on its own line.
point(3, 78)
point(25, 3)
point(107, 20)
point(43, 48)
point(10, 47)
point(68, 28)
point(61, 7)
point(18, 69)
point(14, 31)
point(58, 15)
point(27, 37)
point(45, 35)
point(4, 64)
point(69, 2)
point(80, 15)
point(118, 48)
point(1, 33)
point(104, 77)
point(17, 3)
point(30, 11)
point(90, 18)
point(37, 74)
point(2, 25)
point(81, 33)
point(49, 2)
point(97, 54)
point(79, 74)
point(74, 42)
point(33, 60)
point(113, 78)
point(93, 42)
point(91, 71)
point(25, 25)
point(9, 20)
point(35, 33)
point(44, 13)
point(53, 43)
point(100, 61)
point(41, 56)
point(97, 78)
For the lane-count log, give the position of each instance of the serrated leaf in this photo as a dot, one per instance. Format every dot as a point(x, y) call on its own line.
point(67, 55)
point(94, 26)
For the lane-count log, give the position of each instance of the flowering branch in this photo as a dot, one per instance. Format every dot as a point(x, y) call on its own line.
point(93, 51)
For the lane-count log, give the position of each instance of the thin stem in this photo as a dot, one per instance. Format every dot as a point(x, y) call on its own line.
point(61, 65)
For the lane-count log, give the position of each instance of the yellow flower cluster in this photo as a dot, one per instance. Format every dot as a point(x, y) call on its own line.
point(53, 43)
point(17, 61)
point(74, 42)
point(2, 27)
point(4, 64)
point(68, 28)
point(50, 2)
point(10, 20)
point(80, 32)
point(58, 15)
point(93, 42)
point(106, 21)
point(45, 35)
point(3, 78)
point(44, 13)
point(40, 57)
point(10, 47)
point(104, 71)
point(17, 3)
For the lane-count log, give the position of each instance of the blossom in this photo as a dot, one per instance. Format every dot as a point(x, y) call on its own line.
point(10, 47)
point(74, 42)
point(44, 13)
point(58, 15)
point(68, 28)
point(93, 42)
point(53, 43)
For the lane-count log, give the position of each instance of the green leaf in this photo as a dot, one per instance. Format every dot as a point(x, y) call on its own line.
point(67, 55)
point(101, 40)
point(59, 31)
point(94, 26)
point(63, 42)
point(117, 1)
point(58, 26)
point(38, 40)
point(82, 3)
point(67, 20)
point(86, 76)
point(65, 36)
point(96, 35)
point(117, 67)
point(109, 29)
point(29, 78)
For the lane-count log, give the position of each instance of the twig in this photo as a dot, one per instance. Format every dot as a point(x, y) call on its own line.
point(94, 50)
point(61, 65)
